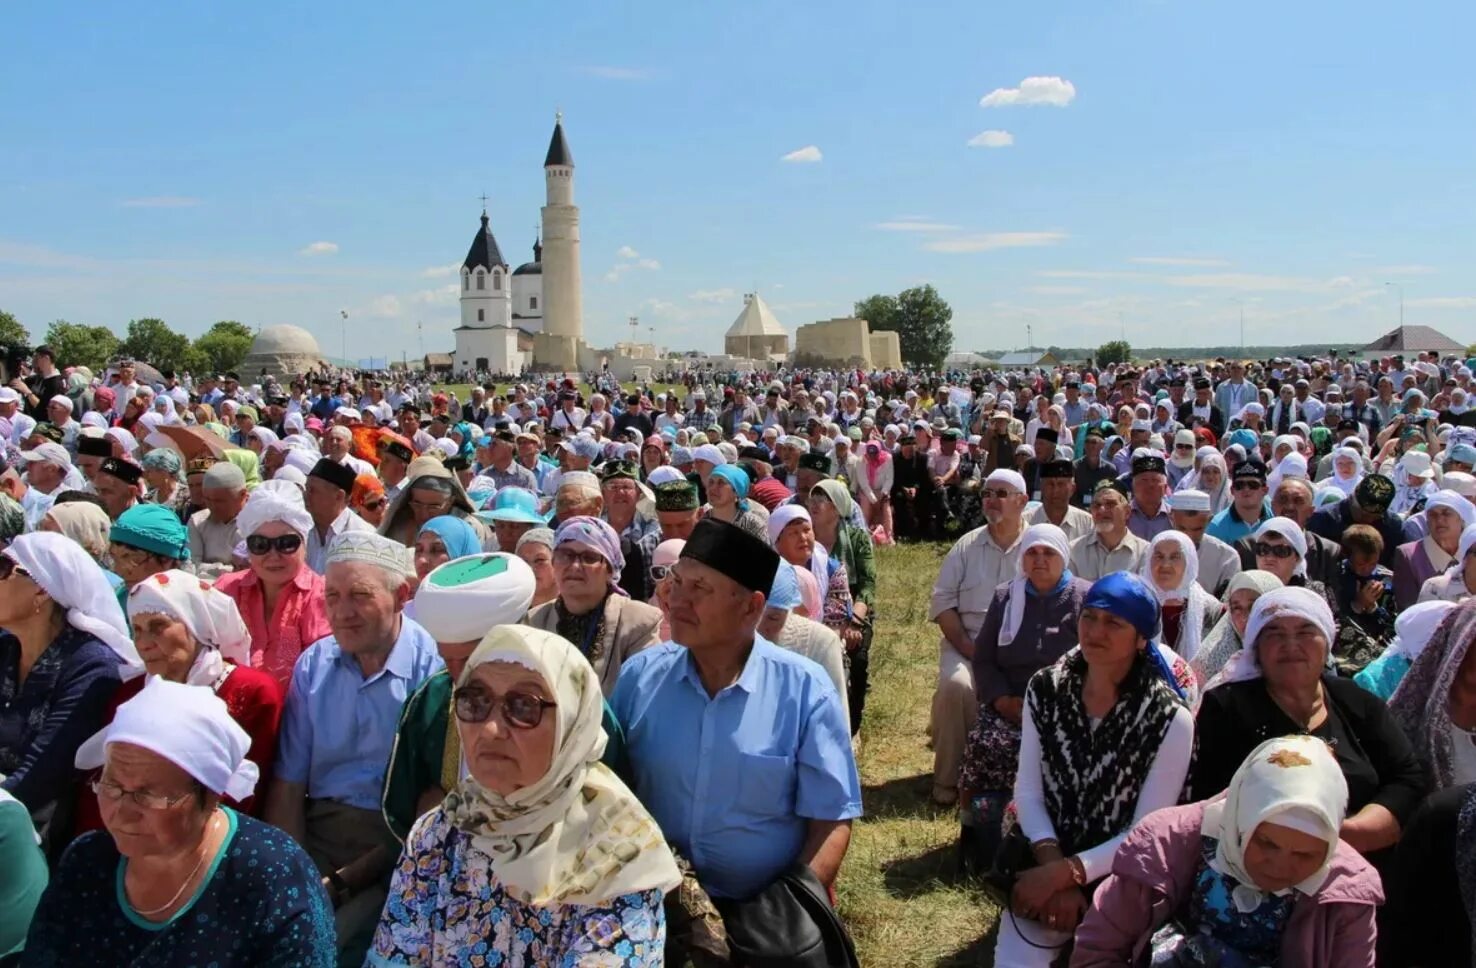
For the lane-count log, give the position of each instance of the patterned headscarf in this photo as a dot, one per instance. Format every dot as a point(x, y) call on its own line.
point(12, 519)
point(210, 616)
point(166, 460)
point(1421, 703)
point(597, 535)
point(577, 835)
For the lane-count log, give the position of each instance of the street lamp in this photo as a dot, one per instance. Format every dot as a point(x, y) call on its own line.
point(343, 333)
point(1400, 287)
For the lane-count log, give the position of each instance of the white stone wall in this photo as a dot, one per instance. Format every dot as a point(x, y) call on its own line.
point(563, 313)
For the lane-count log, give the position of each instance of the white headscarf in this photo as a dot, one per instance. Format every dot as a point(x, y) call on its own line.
point(1191, 626)
point(67, 573)
point(1293, 600)
point(274, 500)
point(1293, 533)
point(1345, 483)
point(1036, 536)
point(1292, 465)
point(1415, 625)
point(1293, 781)
point(785, 515)
point(577, 835)
point(210, 616)
point(1194, 480)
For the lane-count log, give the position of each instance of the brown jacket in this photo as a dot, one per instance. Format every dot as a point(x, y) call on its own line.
point(630, 626)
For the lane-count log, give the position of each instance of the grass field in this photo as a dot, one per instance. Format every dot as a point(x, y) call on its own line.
point(897, 889)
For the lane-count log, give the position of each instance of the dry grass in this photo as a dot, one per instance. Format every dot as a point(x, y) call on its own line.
point(897, 889)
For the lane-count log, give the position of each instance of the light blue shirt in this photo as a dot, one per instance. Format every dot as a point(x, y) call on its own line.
point(338, 728)
point(733, 779)
point(1228, 527)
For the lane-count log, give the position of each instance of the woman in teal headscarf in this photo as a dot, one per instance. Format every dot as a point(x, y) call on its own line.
point(443, 539)
point(727, 500)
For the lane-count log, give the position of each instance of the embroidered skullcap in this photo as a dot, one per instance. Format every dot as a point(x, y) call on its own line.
point(370, 548)
point(124, 470)
point(462, 599)
point(1189, 500)
point(677, 495)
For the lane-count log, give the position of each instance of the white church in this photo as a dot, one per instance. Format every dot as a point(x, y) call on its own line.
point(531, 315)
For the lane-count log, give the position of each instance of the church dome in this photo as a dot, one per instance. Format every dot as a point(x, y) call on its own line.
point(529, 269)
point(284, 339)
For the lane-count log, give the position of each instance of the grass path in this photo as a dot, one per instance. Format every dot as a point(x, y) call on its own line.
point(897, 890)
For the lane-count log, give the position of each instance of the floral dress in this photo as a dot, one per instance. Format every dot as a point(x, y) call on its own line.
point(1212, 932)
point(446, 907)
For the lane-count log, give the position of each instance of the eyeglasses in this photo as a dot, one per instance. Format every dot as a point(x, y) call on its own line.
point(1264, 550)
point(374, 504)
point(425, 508)
point(1247, 484)
point(568, 556)
point(519, 710)
point(113, 793)
point(659, 572)
point(996, 494)
point(8, 567)
point(260, 544)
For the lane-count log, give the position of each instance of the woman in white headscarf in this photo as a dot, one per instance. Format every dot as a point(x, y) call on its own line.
point(1212, 476)
point(1171, 570)
point(542, 842)
point(1458, 582)
point(1258, 876)
point(791, 532)
point(1224, 640)
point(1347, 466)
point(188, 632)
point(1412, 632)
point(63, 651)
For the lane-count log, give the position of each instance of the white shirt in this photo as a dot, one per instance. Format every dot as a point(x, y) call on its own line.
point(317, 553)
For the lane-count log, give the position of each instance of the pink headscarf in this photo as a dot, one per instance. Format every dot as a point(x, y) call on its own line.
point(876, 458)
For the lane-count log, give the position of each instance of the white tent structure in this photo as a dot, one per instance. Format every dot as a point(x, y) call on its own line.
point(756, 334)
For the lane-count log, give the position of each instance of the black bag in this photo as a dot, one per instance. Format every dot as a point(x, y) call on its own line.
point(789, 924)
point(1013, 858)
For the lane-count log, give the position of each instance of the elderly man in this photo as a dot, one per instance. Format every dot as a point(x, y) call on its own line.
point(1111, 546)
point(1447, 514)
point(338, 729)
point(578, 494)
point(1293, 500)
point(118, 485)
point(677, 509)
point(1247, 509)
point(326, 495)
point(213, 531)
point(739, 748)
point(1218, 562)
point(496, 453)
point(1057, 485)
point(575, 454)
point(91, 452)
point(340, 448)
point(47, 468)
point(1148, 516)
point(639, 535)
point(978, 563)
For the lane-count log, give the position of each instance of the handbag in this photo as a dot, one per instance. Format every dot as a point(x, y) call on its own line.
point(789, 924)
point(1013, 858)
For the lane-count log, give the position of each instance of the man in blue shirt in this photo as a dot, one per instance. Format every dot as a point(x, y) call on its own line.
point(1247, 507)
point(338, 728)
point(739, 748)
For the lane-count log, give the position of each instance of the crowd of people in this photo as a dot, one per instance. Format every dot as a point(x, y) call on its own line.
point(353, 671)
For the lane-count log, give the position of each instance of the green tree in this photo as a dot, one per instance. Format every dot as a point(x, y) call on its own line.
point(1117, 351)
point(12, 333)
point(920, 318)
point(152, 341)
point(224, 346)
point(77, 344)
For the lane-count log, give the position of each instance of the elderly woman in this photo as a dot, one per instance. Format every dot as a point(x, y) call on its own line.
point(188, 632)
point(163, 471)
point(831, 514)
point(280, 598)
point(430, 491)
point(517, 862)
point(536, 548)
point(83, 522)
point(1435, 702)
point(368, 499)
point(727, 500)
point(1458, 582)
point(178, 877)
point(1105, 740)
point(1278, 685)
point(791, 532)
point(604, 624)
point(1171, 571)
point(1030, 623)
point(1258, 877)
point(782, 624)
point(63, 650)
point(1224, 640)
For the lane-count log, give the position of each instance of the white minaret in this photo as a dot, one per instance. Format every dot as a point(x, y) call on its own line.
point(563, 304)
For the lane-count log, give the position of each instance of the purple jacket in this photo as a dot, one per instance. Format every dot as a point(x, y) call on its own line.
point(1154, 872)
point(1412, 566)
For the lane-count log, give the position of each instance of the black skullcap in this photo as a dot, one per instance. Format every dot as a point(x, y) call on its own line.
point(1374, 493)
point(1201, 384)
point(125, 471)
point(676, 496)
point(94, 447)
point(907, 439)
point(733, 552)
point(818, 463)
point(1110, 484)
point(505, 435)
point(751, 452)
point(1149, 464)
point(1047, 434)
point(339, 475)
point(1057, 468)
point(396, 449)
point(1249, 468)
point(456, 463)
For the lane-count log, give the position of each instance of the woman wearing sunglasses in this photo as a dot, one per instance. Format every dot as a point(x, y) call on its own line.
point(280, 599)
point(541, 850)
point(188, 632)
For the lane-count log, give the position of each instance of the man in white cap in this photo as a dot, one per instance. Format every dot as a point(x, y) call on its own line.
point(341, 449)
point(213, 531)
point(338, 729)
point(978, 563)
point(1218, 562)
point(47, 468)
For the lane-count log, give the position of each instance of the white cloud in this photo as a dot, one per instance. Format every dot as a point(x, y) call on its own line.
point(621, 268)
point(626, 252)
point(1443, 302)
point(387, 306)
point(1255, 282)
point(915, 223)
point(1054, 91)
point(809, 154)
point(661, 307)
point(161, 201)
point(1084, 274)
point(1175, 260)
point(714, 295)
point(441, 272)
point(992, 139)
point(319, 248)
point(1406, 270)
point(1056, 290)
point(989, 241)
point(446, 295)
point(610, 73)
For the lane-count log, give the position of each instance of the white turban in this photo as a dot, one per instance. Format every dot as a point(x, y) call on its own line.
point(186, 725)
point(211, 616)
point(462, 599)
point(274, 500)
point(1006, 477)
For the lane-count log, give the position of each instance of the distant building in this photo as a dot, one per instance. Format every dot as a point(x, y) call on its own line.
point(1028, 358)
point(756, 334)
point(847, 342)
point(1413, 339)
point(439, 364)
point(282, 351)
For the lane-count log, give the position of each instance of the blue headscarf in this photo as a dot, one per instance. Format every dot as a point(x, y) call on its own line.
point(785, 592)
point(459, 537)
point(1245, 437)
point(1128, 597)
point(736, 477)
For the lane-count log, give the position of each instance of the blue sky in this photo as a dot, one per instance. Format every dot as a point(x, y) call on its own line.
point(1173, 162)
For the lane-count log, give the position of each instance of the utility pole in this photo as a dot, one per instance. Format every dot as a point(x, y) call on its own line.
point(1400, 287)
point(1029, 338)
point(343, 332)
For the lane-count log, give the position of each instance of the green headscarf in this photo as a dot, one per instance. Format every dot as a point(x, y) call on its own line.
point(249, 464)
point(838, 495)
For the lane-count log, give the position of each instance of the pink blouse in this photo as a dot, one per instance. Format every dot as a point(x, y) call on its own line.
point(299, 620)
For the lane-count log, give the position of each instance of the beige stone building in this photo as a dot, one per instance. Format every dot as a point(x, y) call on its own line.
point(847, 342)
point(756, 333)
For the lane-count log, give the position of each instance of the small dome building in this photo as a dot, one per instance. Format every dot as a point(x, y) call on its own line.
point(283, 352)
point(756, 334)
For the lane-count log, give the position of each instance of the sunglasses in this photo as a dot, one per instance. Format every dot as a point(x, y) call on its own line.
point(519, 710)
point(659, 572)
point(1264, 550)
point(1247, 484)
point(374, 504)
point(260, 544)
point(9, 566)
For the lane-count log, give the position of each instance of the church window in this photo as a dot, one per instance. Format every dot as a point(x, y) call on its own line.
point(481, 282)
point(532, 302)
point(481, 315)
point(497, 281)
point(465, 283)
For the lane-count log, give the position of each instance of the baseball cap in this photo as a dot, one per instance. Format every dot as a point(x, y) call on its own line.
point(48, 453)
